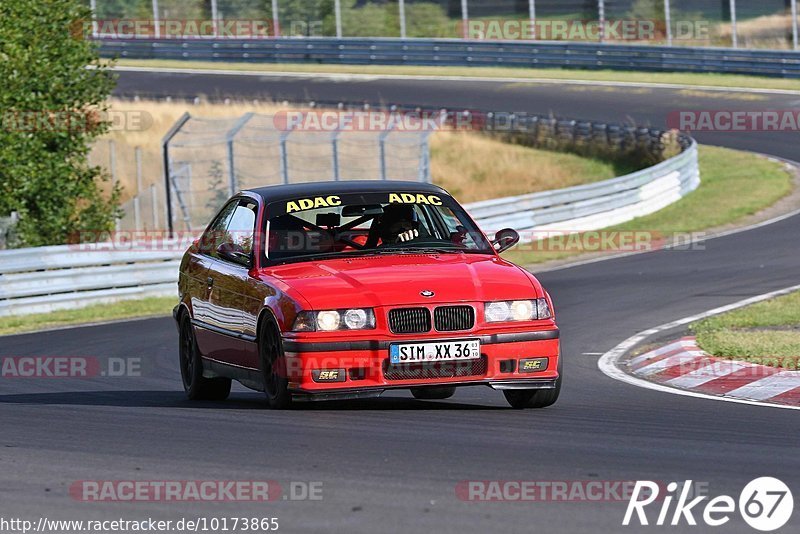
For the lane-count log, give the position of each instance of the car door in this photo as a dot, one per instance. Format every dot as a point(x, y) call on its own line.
point(229, 277)
point(200, 270)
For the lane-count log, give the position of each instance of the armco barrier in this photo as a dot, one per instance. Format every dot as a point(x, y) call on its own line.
point(595, 205)
point(459, 52)
point(43, 279)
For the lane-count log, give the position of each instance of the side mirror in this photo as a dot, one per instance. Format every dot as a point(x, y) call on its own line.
point(226, 252)
point(505, 239)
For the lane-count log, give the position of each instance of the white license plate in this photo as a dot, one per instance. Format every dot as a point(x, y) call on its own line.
point(438, 351)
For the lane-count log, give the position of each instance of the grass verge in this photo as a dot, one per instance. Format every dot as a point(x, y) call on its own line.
point(125, 309)
point(766, 333)
point(734, 185)
point(671, 78)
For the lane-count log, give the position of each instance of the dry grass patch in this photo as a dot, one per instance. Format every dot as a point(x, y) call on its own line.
point(475, 167)
point(769, 31)
point(470, 165)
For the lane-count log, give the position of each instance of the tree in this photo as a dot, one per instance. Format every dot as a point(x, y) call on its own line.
point(52, 109)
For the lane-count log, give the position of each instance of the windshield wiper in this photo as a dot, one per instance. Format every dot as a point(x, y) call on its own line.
point(418, 250)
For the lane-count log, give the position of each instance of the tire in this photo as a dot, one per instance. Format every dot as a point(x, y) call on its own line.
point(535, 398)
point(273, 366)
point(197, 386)
point(433, 393)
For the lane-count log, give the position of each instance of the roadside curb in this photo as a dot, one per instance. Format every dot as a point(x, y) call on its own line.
point(684, 365)
point(612, 363)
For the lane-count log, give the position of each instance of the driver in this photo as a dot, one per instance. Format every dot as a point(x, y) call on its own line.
point(399, 223)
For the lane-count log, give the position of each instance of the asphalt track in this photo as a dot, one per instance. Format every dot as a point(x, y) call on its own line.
point(392, 464)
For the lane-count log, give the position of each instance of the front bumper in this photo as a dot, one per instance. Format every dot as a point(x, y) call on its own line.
point(326, 370)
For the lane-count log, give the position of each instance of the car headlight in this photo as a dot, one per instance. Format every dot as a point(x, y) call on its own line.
point(330, 320)
point(516, 310)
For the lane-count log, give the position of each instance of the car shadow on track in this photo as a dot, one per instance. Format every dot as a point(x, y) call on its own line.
point(173, 399)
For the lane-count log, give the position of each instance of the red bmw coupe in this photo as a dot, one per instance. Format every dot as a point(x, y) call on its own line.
point(336, 290)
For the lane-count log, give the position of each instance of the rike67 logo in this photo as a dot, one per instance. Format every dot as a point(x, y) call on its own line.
point(765, 504)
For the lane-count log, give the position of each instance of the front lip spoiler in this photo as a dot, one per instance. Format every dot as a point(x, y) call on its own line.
point(383, 344)
point(549, 383)
point(373, 392)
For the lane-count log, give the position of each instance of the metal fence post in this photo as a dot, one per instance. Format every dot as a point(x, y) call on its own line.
point(154, 204)
point(231, 169)
point(285, 154)
point(464, 19)
point(112, 160)
point(233, 186)
point(601, 15)
point(187, 168)
point(335, 153)
point(156, 28)
point(402, 8)
point(734, 36)
point(794, 25)
point(532, 17)
point(337, 8)
point(165, 154)
point(112, 163)
point(214, 17)
point(382, 147)
point(93, 7)
point(668, 21)
point(275, 19)
point(424, 170)
point(137, 209)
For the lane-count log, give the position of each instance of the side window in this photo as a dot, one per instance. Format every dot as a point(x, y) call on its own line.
point(215, 234)
point(458, 233)
point(241, 227)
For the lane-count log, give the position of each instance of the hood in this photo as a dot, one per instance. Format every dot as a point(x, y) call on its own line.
point(372, 281)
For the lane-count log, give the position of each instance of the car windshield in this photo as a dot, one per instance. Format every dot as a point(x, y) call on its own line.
point(355, 224)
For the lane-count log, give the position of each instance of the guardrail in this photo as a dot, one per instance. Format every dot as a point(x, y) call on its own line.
point(593, 206)
point(460, 52)
point(37, 280)
point(44, 279)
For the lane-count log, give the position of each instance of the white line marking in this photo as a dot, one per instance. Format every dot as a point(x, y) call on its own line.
point(768, 387)
point(705, 374)
point(422, 77)
point(592, 353)
point(609, 361)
